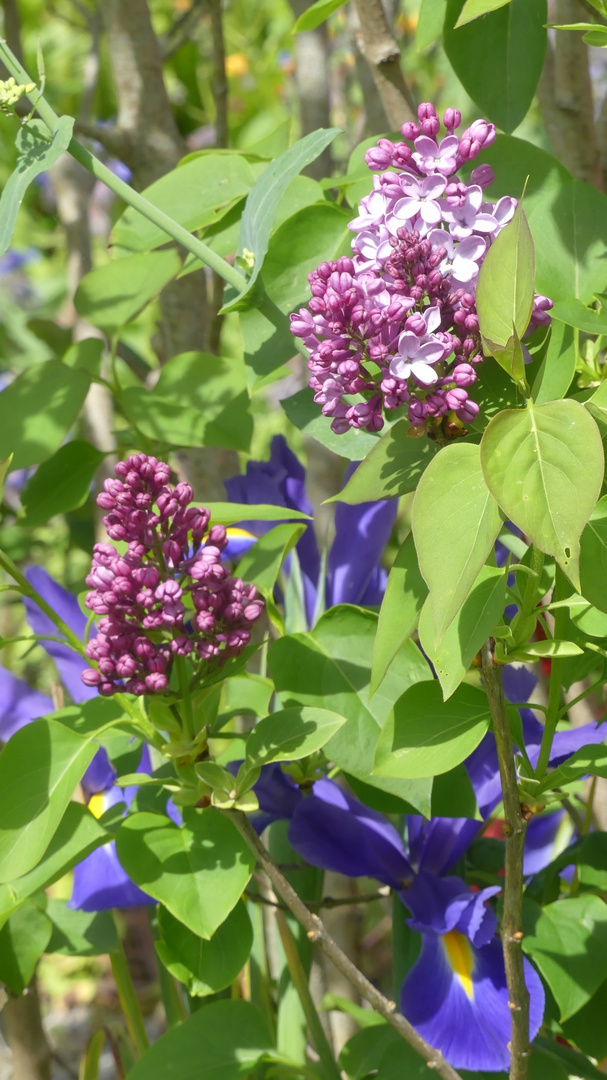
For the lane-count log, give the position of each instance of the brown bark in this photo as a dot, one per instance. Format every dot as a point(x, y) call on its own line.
point(31, 1054)
point(383, 57)
point(565, 97)
point(313, 86)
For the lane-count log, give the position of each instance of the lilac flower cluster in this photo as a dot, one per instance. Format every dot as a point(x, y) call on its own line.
point(396, 324)
point(168, 594)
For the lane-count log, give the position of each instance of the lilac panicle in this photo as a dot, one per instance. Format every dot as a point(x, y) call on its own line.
point(168, 593)
point(396, 325)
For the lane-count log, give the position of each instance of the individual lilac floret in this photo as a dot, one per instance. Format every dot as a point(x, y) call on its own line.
point(168, 594)
point(420, 238)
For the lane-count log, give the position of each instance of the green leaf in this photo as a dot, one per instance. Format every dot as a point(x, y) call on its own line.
point(329, 668)
point(393, 468)
point(533, 650)
point(570, 1061)
point(5, 468)
point(194, 194)
point(232, 513)
point(38, 150)
point(77, 835)
point(567, 218)
point(473, 624)
point(426, 735)
point(597, 36)
point(313, 235)
point(227, 1039)
point(85, 354)
point(597, 407)
point(575, 313)
point(399, 613)
point(557, 369)
point(23, 939)
point(504, 293)
point(586, 1027)
point(366, 1054)
point(89, 1064)
point(261, 564)
point(499, 59)
point(37, 410)
point(198, 871)
point(199, 400)
point(39, 769)
point(62, 483)
point(80, 933)
point(205, 966)
point(316, 14)
point(568, 942)
point(588, 760)
point(262, 202)
point(430, 22)
point(544, 465)
point(593, 557)
point(304, 414)
point(291, 734)
point(112, 295)
point(455, 521)
point(473, 9)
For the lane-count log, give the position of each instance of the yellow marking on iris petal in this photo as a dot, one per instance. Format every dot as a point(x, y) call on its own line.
point(461, 960)
point(96, 805)
point(233, 533)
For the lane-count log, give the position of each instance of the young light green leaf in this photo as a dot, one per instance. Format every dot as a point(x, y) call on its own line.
point(260, 208)
point(575, 313)
point(291, 734)
point(399, 613)
point(544, 465)
point(38, 150)
point(316, 14)
point(261, 565)
point(37, 410)
point(205, 966)
point(198, 871)
point(455, 521)
point(568, 942)
point(504, 293)
point(473, 9)
point(231, 513)
point(426, 735)
point(430, 20)
point(112, 295)
point(533, 650)
point(62, 483)
point(596, 36)
point(499, 58)
point(593, 557)
point(229, 1037)
point(5, 468)
point(475, 621)
point(393, 467)
point(39, 769)
point(589, 760)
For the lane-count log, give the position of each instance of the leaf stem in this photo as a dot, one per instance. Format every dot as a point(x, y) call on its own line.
point(514, 829)
point(300, 982)
point(553, 711)
point(318, 934)
point(129, 1002)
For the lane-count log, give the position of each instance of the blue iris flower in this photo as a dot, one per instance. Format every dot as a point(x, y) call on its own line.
point(354, 574)
point(456, 993)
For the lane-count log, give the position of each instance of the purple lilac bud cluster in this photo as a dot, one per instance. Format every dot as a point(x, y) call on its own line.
point(168, 593)
point(396, 324)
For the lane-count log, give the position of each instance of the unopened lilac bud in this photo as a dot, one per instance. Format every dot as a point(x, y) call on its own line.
point(456, 398)
point(452, 119)
point(426, 111)
point(463, 375)
point(378, 157)
point(482, 175)
point(410, 131)
point(91, 677)
point(430, 127)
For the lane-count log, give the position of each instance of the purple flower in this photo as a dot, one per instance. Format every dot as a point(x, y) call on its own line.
point(171, 552)
point(430, 157)
point(69, 663)
point(20, 704)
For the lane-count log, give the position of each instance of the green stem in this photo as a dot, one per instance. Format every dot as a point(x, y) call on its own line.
point(129, 1002)
point(172, 1000)
point(554, 699)
point(186, 700)
point(300, 982)
point(9, 566)
point(153, 213)
point(532, 582)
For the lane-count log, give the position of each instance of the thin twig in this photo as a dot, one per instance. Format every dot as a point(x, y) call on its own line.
point(325, 902)
point(317, 933)
point(515, 826)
